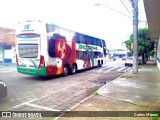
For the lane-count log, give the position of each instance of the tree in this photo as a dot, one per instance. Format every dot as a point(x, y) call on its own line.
point(145, 46)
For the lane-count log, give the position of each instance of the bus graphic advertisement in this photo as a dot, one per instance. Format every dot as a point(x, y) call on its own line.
point(46, 49)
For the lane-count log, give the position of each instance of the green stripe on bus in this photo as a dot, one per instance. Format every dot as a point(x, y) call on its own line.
point(34, 63)
point(32, 71)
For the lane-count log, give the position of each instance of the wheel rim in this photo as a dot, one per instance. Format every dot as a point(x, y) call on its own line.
point(65, 71)
point(73, 69)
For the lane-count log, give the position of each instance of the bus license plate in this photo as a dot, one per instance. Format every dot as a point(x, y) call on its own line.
point(28, 71)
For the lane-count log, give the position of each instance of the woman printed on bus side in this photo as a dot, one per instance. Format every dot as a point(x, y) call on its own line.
point(58, 47)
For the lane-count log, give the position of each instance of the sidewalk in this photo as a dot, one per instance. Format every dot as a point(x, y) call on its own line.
point(129, 92)
point(7, 65)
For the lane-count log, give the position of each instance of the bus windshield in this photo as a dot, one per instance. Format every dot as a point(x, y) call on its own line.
point(28, 50)
point(28, 45)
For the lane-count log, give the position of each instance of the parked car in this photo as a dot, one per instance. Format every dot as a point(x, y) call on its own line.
point(3, 90)
point(129, 61)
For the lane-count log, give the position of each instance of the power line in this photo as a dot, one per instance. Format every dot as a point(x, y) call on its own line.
point(125, 7)
point(130, 2)
point(115, 10)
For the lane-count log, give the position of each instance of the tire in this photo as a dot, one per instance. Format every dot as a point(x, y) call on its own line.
point(73, 69)
point(99, 64)
point(65, 71)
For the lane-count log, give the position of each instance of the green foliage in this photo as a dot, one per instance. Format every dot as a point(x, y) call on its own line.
point(95, 93)
point(129, 53)
point(128, 44)
point(50, 118)
point(145, 46)
point(156, 117)
point(151, 53)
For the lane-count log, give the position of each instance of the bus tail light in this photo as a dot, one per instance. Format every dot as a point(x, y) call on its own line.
point(42, 62)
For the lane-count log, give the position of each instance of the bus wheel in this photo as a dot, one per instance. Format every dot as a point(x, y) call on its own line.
point(99, 64)
point(73, 69)
point(65, 71)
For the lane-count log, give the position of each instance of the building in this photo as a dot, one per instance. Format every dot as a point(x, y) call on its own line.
point(152, 11)
point(118, 53)
point(7, 45)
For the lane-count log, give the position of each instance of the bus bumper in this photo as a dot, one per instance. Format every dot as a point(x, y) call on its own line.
point(32, 71)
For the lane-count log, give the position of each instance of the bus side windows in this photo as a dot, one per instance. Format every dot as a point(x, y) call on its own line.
point(98, 54)
point(80, 38)
point(94, 42)
point(77, 38)
point(104, 43)
point(85, 39)
point(82, 55)
point(79, 55)
point(99, 43)
point(89, 40)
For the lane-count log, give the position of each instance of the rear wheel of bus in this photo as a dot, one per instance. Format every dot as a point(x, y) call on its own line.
point(65, 70)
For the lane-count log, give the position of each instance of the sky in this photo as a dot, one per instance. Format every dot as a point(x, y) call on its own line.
point(110, 20)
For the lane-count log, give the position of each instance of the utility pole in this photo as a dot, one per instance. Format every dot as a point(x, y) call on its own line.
point(135, 35)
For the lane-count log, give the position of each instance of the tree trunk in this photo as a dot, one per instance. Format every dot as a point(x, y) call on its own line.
point(143, 59)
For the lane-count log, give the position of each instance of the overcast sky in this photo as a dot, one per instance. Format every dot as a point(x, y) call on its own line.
point(112, 20)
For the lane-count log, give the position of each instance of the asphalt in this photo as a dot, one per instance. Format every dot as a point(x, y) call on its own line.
point(128, 97)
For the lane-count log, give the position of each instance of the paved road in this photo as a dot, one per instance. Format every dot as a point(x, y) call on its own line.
point(58, 93)
point(106, 69)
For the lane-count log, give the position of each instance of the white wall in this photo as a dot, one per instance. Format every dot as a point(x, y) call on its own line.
point(9, 54)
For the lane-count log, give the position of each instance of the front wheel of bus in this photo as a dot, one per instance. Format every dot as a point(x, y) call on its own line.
point(65, 71)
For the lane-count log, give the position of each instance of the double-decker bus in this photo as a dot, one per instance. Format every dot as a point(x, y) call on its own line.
point(46, 49)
